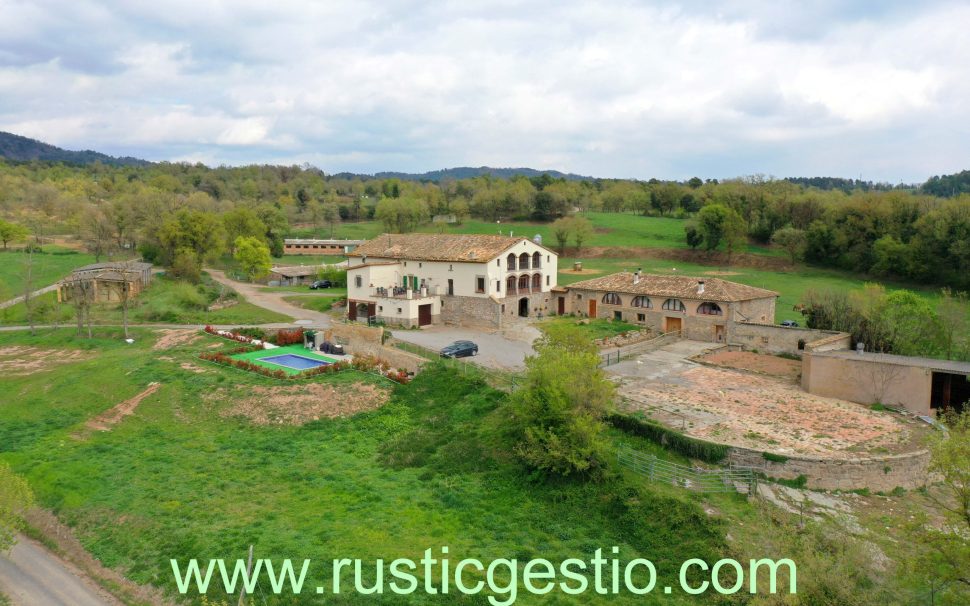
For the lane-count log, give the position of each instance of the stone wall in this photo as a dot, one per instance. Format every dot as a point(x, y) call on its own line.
point(868, 380)
point(470, 310)
point(878, 474)
point(629, 338)
point(774, 339)
point(366, 340)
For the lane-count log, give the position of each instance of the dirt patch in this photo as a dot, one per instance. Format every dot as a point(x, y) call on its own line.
point(581, 272)
point(722, 273)
point(299, 404)
point(84, 565)
point(175, 337)
point(767, 413)
point(24, 360)
point(746, 360)
point(192, 367)
point(111, 417)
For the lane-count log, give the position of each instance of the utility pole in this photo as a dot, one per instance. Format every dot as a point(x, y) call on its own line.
point(249, 569)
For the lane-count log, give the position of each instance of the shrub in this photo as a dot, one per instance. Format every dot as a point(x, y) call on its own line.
point(689, 447)
point(774, 458)
point(288, 336)
point(188, 296)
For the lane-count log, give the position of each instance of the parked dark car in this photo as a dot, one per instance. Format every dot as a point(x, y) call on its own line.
point(320, 284)
point(459, 349)
point(789, 323)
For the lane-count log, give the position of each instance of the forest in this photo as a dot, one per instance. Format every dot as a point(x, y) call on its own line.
point(167, 209)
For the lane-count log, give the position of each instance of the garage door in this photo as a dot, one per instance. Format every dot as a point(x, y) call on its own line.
point(424, 314)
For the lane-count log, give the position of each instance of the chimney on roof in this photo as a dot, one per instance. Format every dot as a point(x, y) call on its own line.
point(700, 287)
point(636, 276)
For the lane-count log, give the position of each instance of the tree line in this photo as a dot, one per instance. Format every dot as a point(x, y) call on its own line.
point(889, 232)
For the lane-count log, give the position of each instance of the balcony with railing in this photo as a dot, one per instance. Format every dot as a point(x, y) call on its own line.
point(399, 292)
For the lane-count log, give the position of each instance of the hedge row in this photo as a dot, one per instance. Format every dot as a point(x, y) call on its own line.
point(668, 438)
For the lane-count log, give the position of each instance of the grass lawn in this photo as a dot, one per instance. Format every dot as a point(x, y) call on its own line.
point(321, 303)
point(259, 356)
point(178, 479)
point(48, 267)
point(791, 285)
point(596, 329)
point(165, 301)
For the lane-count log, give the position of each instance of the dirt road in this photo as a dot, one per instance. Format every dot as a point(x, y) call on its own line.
point(273, 301)
point(33, 576)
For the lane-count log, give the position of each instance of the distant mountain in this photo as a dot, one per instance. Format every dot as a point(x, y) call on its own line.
point(468, 172)
point(23, 149)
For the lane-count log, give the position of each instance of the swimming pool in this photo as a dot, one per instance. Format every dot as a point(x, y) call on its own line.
point(294, 361)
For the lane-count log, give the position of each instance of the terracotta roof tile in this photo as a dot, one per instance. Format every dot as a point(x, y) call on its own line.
point(681, 287)
point(463, 248)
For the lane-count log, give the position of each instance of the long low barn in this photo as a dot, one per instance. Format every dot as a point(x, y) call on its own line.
point(704, 309)
point(306, 246)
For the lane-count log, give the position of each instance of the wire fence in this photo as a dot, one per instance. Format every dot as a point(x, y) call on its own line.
point(691, 478)
point(631, 351)
point(499, 379)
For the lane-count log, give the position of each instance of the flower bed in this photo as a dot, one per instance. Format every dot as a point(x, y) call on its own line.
point(370, 364)
point(234, 336)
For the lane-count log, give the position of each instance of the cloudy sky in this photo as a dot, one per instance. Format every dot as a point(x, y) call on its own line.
point(879, 90)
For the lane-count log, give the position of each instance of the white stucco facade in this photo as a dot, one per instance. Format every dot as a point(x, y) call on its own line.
point(394, 289)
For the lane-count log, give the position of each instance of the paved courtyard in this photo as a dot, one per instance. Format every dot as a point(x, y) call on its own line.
point(499, 349)
point(754, 409)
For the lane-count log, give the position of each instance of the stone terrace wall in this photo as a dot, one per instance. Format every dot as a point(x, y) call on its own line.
point(459, 310)
point(771, 338)
point(878, 474)
point(366, 340)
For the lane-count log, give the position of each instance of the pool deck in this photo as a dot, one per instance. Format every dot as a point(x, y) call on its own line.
point(256, 357)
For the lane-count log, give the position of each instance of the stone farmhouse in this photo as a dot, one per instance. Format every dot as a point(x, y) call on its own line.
point(106, 282)
point(702, 309)
point(421, 279)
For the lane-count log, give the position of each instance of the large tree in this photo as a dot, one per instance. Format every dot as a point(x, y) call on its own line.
point(253, 257)
point(556, 415)
point(721, 225)
point(12, 232)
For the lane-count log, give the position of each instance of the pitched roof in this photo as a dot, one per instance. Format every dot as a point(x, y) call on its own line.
point(464, 248)
point(680, 287)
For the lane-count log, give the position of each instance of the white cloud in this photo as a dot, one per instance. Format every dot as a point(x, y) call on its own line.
point(617, 88)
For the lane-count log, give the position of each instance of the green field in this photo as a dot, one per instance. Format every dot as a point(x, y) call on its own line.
point(48, 267)
point(177, 479)
point(610, 229)
point(165, 301)
point(321, 303)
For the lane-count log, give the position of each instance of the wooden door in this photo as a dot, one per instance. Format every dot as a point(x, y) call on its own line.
point(352, 310)
point(592, 308)
point(424, 314)
point(371, 310)
point(562, 306)
point(719, 333)
point(673, 324)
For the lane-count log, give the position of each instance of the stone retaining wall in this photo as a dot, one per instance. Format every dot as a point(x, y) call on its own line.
point(878, 474)
point(775, 339)
point(629, 338)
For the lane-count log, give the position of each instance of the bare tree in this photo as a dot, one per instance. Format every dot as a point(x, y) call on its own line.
point(29, 285)
point(80, 291)
point(881, 376)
